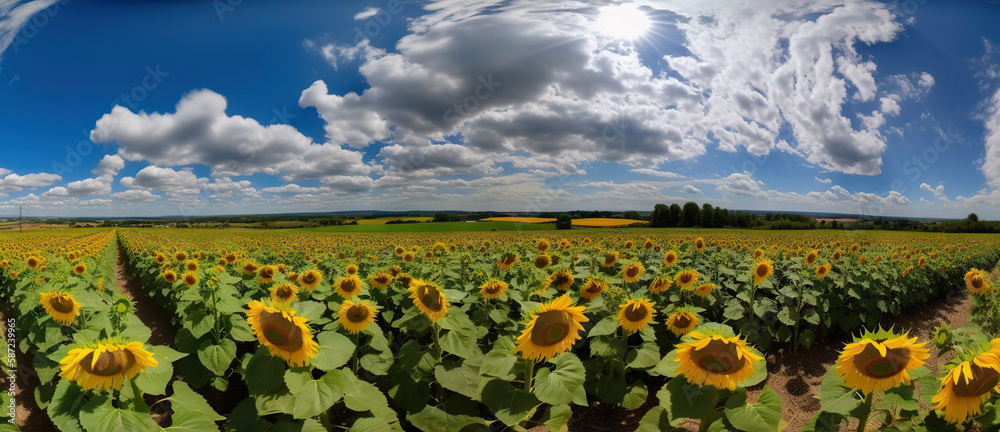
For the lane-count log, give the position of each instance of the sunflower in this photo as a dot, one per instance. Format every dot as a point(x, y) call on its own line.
point(704, 289)
point(757, 253)
point(648, 244)
point(160, 258)
point(716, 360)
point(976, 284)
point(660, 284)
point(633, 271)
point(105, 366)
point(810, 257)
point(395, 270)
point(190, 279)
point(170, 276)
point(80, 268)
point(542, 261)
point(351, 270)
point(636, 314)
point(32, 262)
point(408, 257)
point(355, 317)
point(610, 258)
point(180, 256)
point(285, 335)
point(699, 244)
point(686, 279)
point(284, 293)
point(823, 270)
point(907, 271)
point(682, 322)
point(966, 386)
point(427, 297)
point(492, 289)
point(265, 274)
point(399, 251)
point(230, 258)
point(542, 246)
point(310, 279)
point(763, 270)
point(249, 268)
point(592, 288)
point(551, 330)
point(670, 258)
point(507, 260)
point(349, 286)
point(404, 279)
point(191, 265)
point(62, 307)
point(880, 361)
point(562, 279)
point(381, 280)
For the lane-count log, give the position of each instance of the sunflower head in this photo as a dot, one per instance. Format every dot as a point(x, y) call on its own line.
point(492, 289)
point(757, 253)
point(660, 284)
point(310, 279)
point(80, 268)
point(976, 284)
point(648, 244)
point(966, 386)
point(33, 262)
point(633, 271)
point(381, 280)
point(762, 270)
point(823, 270)
point(191, 265)
point(610, 258)
point(355, 317)
point(249, 268)
point(170, 276)
point(395, 270)
point(542, 245)
point(592, 288)
point(349, 286)
point(507, 260)
point(285, 335)
point(180, 256)
point(810, 257)
point(562, 279)
point(190, 279)
point(670, 258)
point(682, 322)
point(351, 270)
point(62, 307)
point(551, 330)
point(636, 314)
point(265, 274)
point(542, 261)
point(686, 279)
point(429, 299)
point(879, 361)
point(284, 293)
point(106, 364)
point(716, 358)
point(705, 289)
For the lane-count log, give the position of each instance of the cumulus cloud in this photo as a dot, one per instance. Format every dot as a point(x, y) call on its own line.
point(824, 181)
point(744, 184)
point(136, 195)
point(12, 182)
point(692, 190)
point(937, 191)
point(991, 162)
point(200, 132)
point(109, 165)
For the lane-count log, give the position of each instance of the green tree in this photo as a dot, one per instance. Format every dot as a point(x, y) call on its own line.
point(690, 214)
point(661, 216)
point(675, 215)
point(564, 222)
point(707, 213)
point(973, 217)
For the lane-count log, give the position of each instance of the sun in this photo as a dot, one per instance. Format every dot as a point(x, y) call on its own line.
point(622, 22)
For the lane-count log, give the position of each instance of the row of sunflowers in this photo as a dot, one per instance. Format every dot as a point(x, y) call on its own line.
point(442, 332)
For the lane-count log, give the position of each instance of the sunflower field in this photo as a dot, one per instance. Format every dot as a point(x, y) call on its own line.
point(487, 331)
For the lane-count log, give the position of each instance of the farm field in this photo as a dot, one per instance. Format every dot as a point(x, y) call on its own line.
point(440, 331)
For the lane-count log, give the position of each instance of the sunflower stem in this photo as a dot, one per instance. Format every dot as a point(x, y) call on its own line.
point(357, 349)
point(709, 419)
point(863, 420)
point(529, 374)
point(437, 342)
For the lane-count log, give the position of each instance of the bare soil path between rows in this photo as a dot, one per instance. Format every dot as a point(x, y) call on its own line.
point(795, 376)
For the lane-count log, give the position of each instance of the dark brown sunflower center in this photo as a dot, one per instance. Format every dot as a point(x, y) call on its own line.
point(352, 270)
point(280, 331)
point(719, 357)
point(632, 271)
point(562, 279)
point(349, 285)
point(977, 282)
point(982, 381)
point(430, 297)
point(62, 304)
point(699, 245)
point(80, 269)
point(810, 258)
point(509, 259)
point(108, 363)
point(284, 291)
point(357, 313)
point(493, 288)
point(593, 287)
point(381, 279)
point(761, 270)
point(551, 327)
point(609, 259)
point(872, 364)
point(671, 259)
point(308, 278)
point(637, 312)
point(685, 277)
point(682, 321)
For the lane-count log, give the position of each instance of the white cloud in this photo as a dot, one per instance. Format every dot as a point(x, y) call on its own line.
point(824, 181)
point(991, 162)
point(109, 165)
point(200, 132)
point(655, 173)
point(366, 13)
point(938, 192)
point(12, 182)
point(14, 15)
point(744, 184)
point(136, 195)
point(692, 190)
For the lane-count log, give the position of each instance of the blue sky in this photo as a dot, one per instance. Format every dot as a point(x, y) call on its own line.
point(200, 108)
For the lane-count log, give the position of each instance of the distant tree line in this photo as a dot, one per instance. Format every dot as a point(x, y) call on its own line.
point(708, 216)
